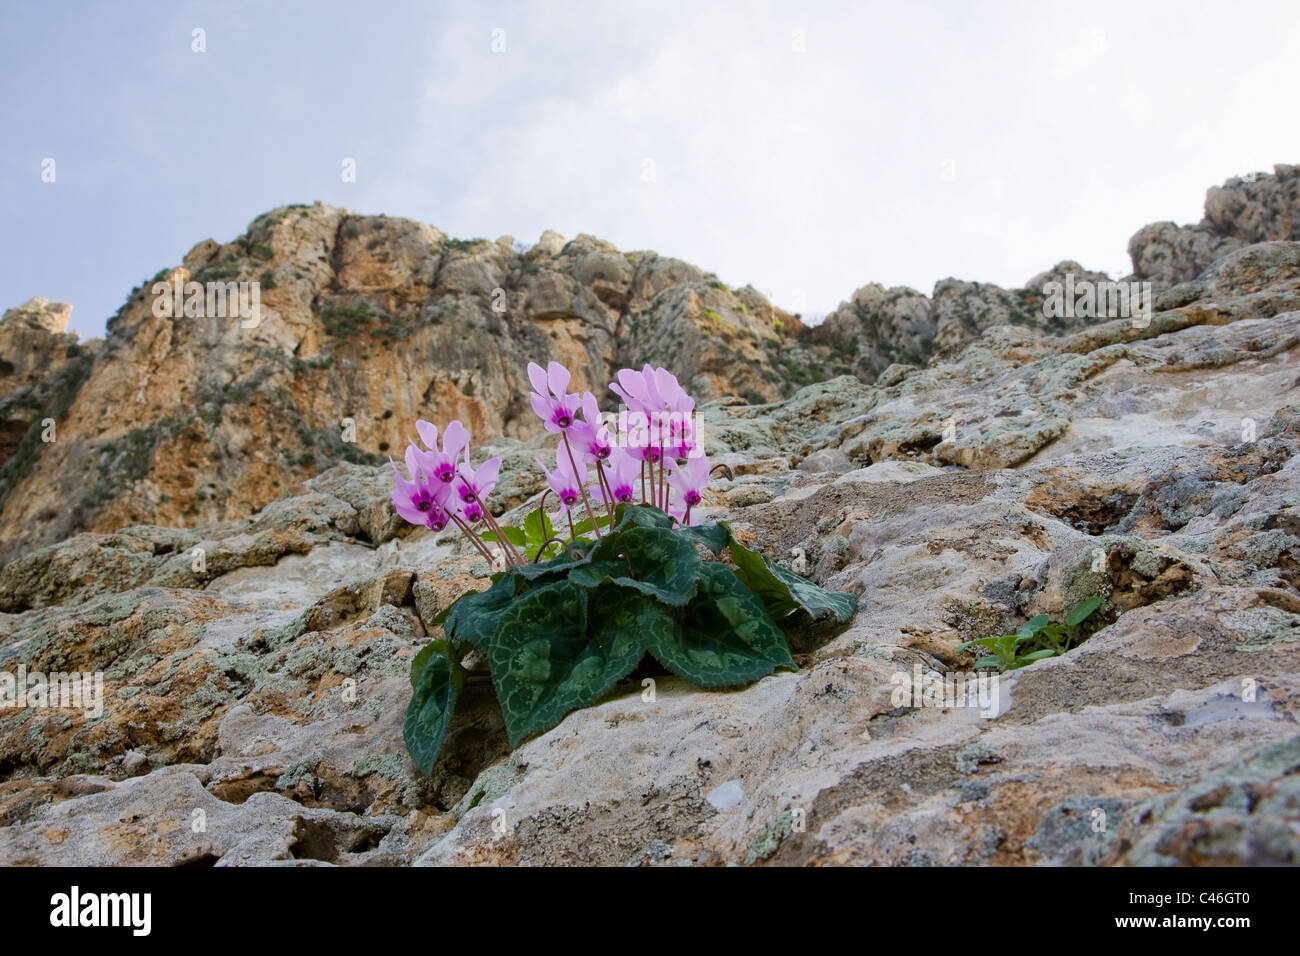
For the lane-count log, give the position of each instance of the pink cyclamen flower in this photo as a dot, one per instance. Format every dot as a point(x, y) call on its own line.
point(640, 435)
point(550, 398)
point(419, 500)
point(689, 480)
point(590, 437)
point(651, 390)
point(471, 481)
point(441, 465)
point(680, 440)
point(563, 481)
point(622, 475)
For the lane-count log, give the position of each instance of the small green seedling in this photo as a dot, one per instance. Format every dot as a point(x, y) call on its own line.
point(1013, 651)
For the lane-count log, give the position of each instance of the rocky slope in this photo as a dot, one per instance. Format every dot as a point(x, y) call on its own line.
point(1246, 210)
point(365, 320)
point(255, 668)
point(370, 322)
point(879, 326)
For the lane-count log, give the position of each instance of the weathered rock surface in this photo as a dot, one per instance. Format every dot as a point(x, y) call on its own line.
point(254, 702)
point(1243, 211)
point(880, 327)
point(41, 369)
point(366, 324)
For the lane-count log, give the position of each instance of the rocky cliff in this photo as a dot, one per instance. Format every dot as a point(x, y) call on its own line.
point(878, 327)
point(366, 324)
point(1013, 468)
point(1243, 211)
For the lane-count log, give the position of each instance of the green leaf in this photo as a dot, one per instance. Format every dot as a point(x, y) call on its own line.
point(641, 516)
point(583, 528)
point(1003, 648)
point(556, 566)
point(1038, 655)
point(598, 572)
point(715, 537)
point(513, 535)
point(537, 526)
point(982, 642)
point(988, 662)
point(724, 637)
point(656, 561)
point(552, 653)
point(421, 659)
point(472, 617)
point(436, 680)
point(441, 616)
point(1033, 626)
point(784, 592)
point(1082, 611)
point(538, 530)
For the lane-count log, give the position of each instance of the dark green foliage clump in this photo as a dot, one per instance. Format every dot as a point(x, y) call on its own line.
point(560, 634)
point(357, 321)
point(218, 272)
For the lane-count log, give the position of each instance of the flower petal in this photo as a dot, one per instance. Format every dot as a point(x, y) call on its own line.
point(413, 463)
point(486, 475)
point(537, 375)
point(428, 433)
point(632, 381)
point(557, 376)
point(542, 408)
point(632, 402)
point(408, 511)
point(454, 438)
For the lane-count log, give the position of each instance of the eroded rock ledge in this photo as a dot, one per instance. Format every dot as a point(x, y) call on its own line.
point(1155, 466)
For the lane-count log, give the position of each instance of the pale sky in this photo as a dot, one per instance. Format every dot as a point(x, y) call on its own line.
point(806, 148)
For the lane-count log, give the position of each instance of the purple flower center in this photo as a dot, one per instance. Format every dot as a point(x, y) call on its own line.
point(692, 498)
point(424, 504)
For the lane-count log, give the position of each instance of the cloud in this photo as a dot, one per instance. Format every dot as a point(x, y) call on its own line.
point(903, 144)
point(882, 142)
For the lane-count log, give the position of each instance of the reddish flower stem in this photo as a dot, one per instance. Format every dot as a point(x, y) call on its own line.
point(606, 491)
point(663, 485)
point(482, 548)
point(582, 487)
point(512, 553)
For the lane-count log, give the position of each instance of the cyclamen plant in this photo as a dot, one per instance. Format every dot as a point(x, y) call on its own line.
point(569, 616)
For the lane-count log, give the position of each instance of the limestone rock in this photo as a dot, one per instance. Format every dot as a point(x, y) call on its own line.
point(1243, 211)
point(255, 661)
point(40, 313)
point(367, 323)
